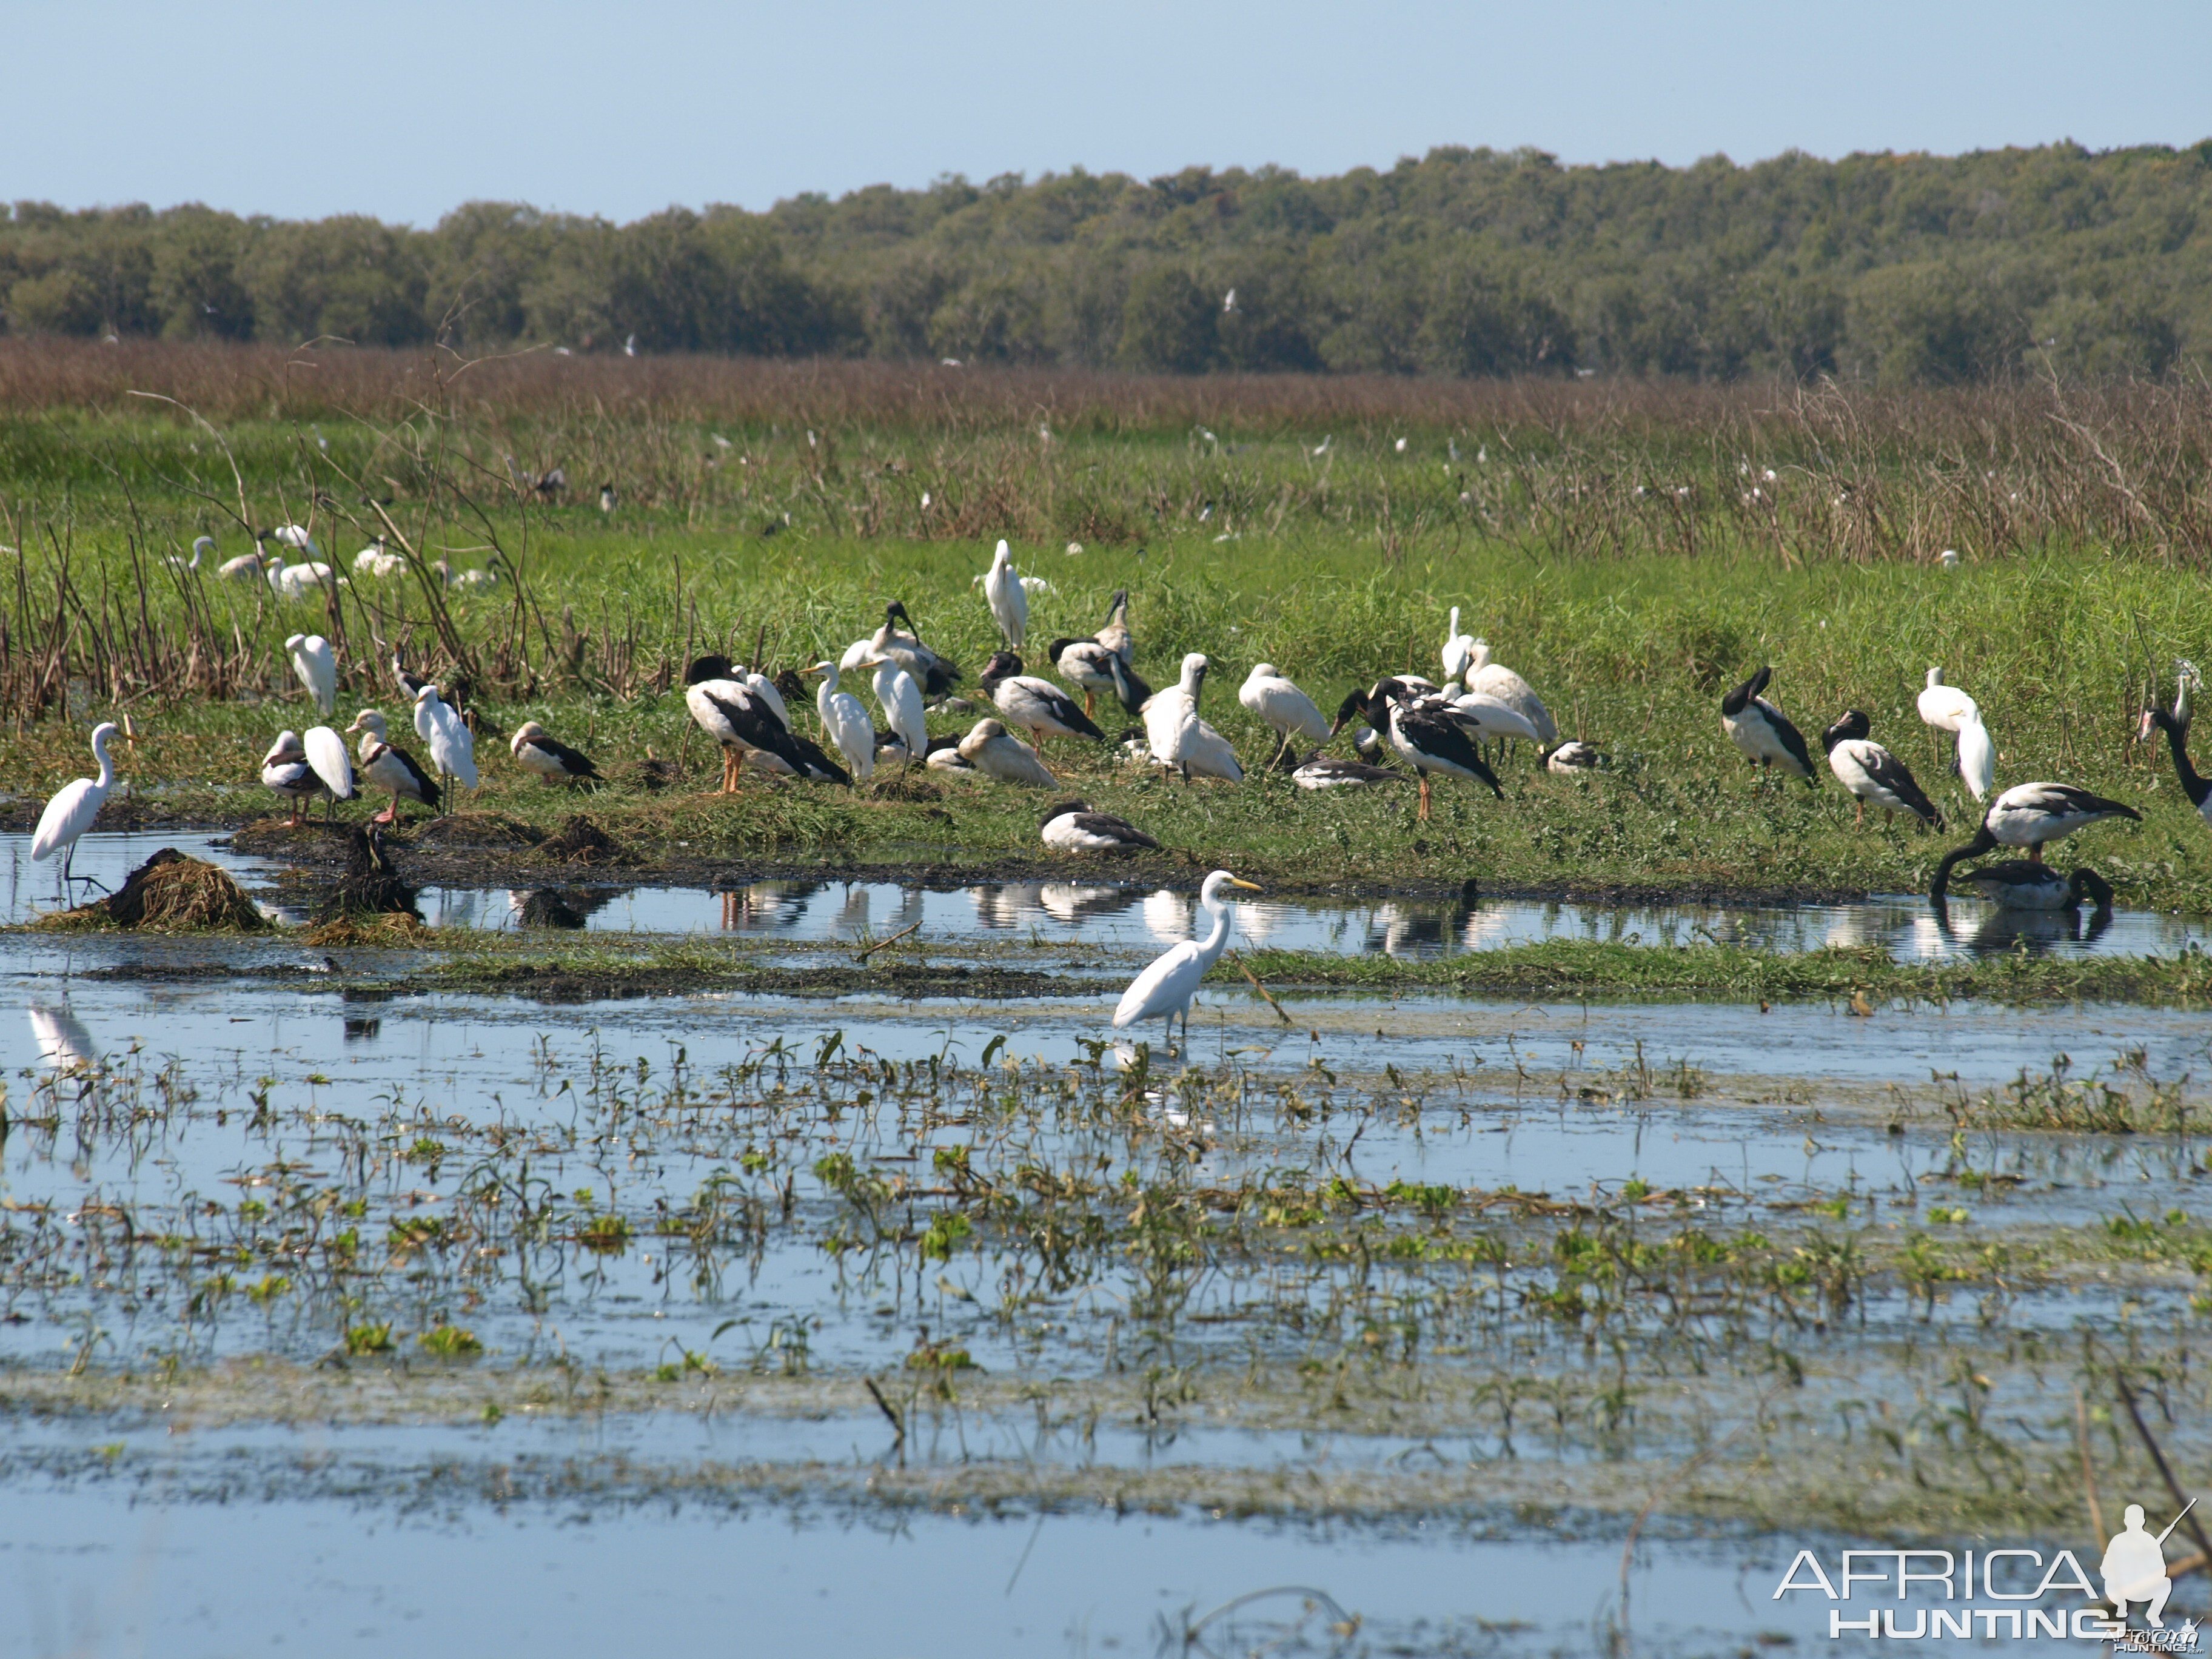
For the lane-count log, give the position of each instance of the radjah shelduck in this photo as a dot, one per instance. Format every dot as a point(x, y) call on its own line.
point(554, 761)
point(384, 766)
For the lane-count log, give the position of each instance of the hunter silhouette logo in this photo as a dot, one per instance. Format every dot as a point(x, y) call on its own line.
point(2135, 1567)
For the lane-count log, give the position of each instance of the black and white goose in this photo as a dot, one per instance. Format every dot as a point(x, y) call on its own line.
point(1873, 774)
point(555, 762)
point(2017, 884)
point(2031, 815)
point(1098, 671)
point(740, 717)
point(2176, 727)
point(393, 769)
point(1761, 731)
point(1424, 731)
point(1038, 706)
point(1072, 827)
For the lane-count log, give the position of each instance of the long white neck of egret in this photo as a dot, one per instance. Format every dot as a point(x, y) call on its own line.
point(106, 764)
point(1211, 947)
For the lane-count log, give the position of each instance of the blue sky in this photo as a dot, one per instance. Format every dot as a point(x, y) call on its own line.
point(404, 110)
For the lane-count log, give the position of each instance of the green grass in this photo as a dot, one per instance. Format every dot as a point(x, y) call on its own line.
point(1632, 653)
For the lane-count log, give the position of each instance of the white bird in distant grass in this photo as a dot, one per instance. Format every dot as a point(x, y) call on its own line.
point(1008, 599)
point(297, 582)
point(1166, 988)
point(316, 666)
point(74, 806)
point(203, 545)
point(376, 561)
point(246, 567)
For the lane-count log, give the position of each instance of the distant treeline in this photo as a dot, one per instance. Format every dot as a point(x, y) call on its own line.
point(1905, 269)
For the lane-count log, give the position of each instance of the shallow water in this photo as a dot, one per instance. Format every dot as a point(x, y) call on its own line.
point(1123, 916)
point(363, 1539)
point(106, 1567)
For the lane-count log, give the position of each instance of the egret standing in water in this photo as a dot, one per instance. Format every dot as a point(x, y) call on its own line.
point(1166, 989)
point(75, 805)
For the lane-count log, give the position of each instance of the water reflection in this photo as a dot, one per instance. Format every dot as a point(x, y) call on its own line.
point(63, 1041)
point(1103, 912)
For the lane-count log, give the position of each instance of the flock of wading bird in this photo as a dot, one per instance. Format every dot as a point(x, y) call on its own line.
point(1438, 729)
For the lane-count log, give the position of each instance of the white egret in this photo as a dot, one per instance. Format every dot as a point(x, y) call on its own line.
point(316, 666)
point(1459, 649)
point(75, 805)
point(452, 745)
point(845, 722)
point(900, 698)
point(1977, 756)
point(1008, 597)
point(1166, 989)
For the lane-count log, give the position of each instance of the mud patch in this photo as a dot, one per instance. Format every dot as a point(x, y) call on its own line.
point(581, 841)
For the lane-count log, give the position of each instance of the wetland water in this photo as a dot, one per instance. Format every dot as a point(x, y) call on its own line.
point(468, 1321)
